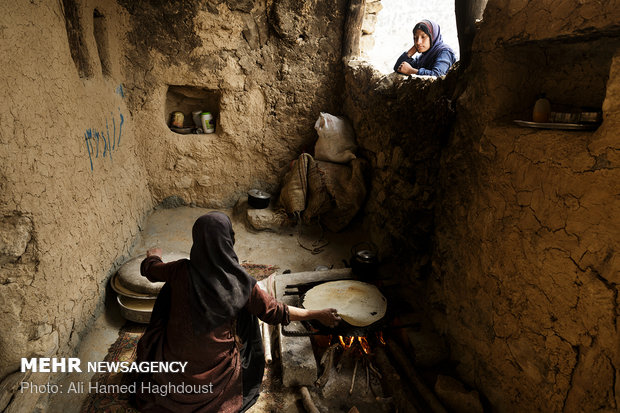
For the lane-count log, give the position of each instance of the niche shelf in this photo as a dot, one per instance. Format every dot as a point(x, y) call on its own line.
point(573, 74)
point(188, 99)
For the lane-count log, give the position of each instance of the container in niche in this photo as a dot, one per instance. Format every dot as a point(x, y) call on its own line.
point(190, 100)
point(563, 117)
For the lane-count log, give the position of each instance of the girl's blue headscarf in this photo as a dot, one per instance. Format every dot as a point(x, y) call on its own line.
point(427, 59)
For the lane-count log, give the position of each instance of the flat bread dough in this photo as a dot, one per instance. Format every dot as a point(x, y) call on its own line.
point(130, 278)
point(359, 304)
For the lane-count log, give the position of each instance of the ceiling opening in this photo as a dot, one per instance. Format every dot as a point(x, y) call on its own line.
point(393, 30)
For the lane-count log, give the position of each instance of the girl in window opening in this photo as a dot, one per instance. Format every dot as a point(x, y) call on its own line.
point(434, 58)
point(206, 314)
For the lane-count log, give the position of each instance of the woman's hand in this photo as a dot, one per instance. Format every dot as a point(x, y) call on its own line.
point(406, 69)
point(154, 251)
point(328, 317)
point(412, 51)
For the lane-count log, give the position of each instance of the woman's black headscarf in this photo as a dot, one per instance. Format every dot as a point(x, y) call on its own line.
point(219, 286)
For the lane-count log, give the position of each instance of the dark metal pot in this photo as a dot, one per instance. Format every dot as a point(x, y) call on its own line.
point(258, 199)
point(364, 260)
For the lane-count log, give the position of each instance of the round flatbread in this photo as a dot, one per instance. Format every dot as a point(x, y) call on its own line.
point(130, 278)
point(359, 304)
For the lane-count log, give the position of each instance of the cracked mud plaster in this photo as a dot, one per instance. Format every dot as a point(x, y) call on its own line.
point(529, 235)
point(272, 92)
point(63, 224)
point(86, 189)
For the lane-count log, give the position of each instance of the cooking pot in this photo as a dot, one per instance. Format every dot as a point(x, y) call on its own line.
point(364, 260)
point(258, 199)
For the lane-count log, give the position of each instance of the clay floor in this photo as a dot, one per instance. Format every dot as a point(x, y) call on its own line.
point(170, 229)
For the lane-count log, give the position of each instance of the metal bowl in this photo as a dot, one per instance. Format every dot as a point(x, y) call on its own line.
point(136, 310)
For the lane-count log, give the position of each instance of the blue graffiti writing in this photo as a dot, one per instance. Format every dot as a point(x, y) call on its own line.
point(120, 127)
point(87, 137)
point(119, 90)
point(94, 137)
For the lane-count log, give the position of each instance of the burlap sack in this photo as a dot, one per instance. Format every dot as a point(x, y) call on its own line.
point(295, 189)
point(319, 200)
point(346, 186)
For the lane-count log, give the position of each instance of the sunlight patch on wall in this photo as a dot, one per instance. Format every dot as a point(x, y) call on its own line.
point(393, 31)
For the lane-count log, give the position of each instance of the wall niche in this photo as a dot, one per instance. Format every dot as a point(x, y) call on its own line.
point(572, 73)
point(188, 99)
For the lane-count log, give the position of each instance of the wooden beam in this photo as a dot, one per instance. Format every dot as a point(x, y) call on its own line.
point(353, 29)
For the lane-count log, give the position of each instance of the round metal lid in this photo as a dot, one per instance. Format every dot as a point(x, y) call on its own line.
point(257, 193)
point(366, 255)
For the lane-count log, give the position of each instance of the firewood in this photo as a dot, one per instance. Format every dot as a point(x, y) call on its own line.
point(402, 360)
point(374, 370)
point(400, 390)
point(353, 379)
point(266, 342)
point(307, 400)
point(327, 361)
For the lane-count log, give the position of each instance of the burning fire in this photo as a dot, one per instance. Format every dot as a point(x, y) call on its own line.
point(364, 344)
point(347, 342)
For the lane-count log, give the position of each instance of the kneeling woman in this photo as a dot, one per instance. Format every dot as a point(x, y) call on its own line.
point(206, 314)
point(434, 58)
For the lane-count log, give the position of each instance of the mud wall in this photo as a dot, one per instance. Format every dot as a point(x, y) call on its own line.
point(265, 69)
point(401, 125)
point(526, 263)
point(86, 150)
point(72, 185)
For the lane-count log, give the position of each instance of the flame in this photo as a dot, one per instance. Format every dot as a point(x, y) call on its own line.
point(346, 341)
point(364, 343)
point(380, 337)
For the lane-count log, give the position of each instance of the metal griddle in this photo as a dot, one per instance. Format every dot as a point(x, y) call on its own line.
point(315, 328)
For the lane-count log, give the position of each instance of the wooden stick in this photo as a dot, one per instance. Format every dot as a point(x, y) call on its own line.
point(404, 396)
point(266, 342)
point(307, 400)
point(402, 360)
point(328, 364)
point(342, 357)
point(374, 370)
point(329, 350)
point(353, 379)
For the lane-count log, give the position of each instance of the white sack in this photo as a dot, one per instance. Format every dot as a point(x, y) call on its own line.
point(336, 141)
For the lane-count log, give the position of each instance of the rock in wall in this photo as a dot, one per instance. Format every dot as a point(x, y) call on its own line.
point(271, 68)
point(72, 186)
point(526, 263)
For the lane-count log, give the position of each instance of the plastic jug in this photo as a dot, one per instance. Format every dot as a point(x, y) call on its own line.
point(207, 122)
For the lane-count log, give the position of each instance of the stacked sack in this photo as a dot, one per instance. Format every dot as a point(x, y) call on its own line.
point(329, 186)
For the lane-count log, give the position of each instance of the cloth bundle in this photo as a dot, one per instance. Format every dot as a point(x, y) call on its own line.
point(329, 191)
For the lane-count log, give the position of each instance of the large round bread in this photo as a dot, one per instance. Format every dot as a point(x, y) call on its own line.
point(359, 304)
point(129, 274)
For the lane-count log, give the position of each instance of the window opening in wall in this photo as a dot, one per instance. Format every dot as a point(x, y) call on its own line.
point(75, 36)
point(393, 35)
point(101, 38)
